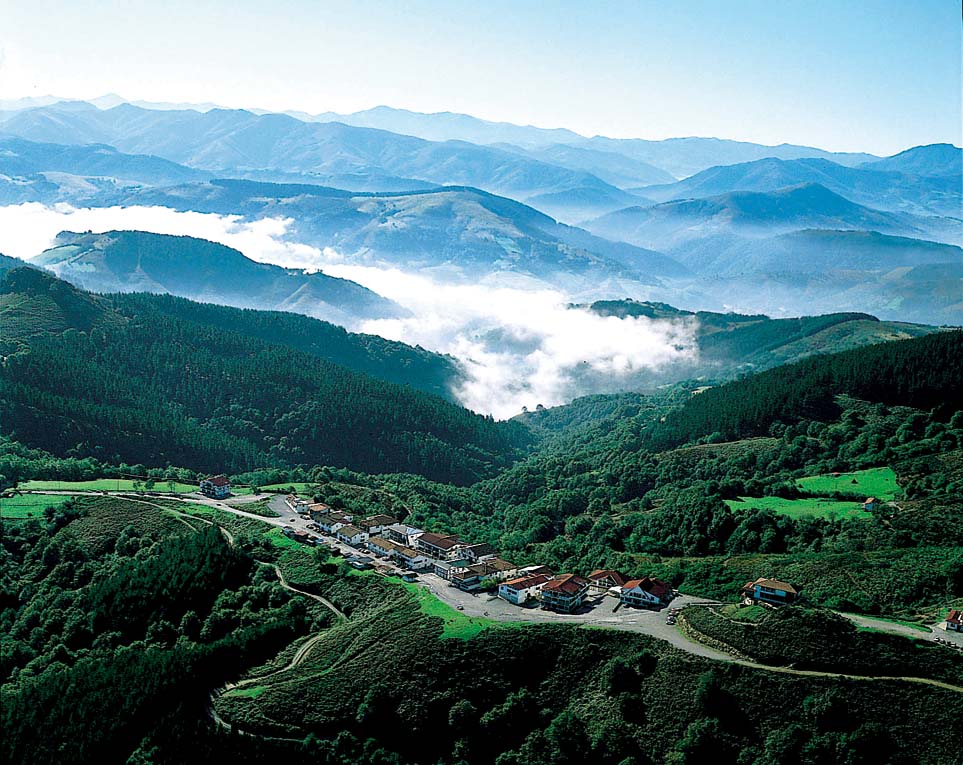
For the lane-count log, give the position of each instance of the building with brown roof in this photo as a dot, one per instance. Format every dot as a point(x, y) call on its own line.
point(381, 546)
point(375, 524)
point(439, 546)
point(953, 621)
point(602, 580)
point(565, 593)
point(216, 486)
point(771, 591)
point(352, 535)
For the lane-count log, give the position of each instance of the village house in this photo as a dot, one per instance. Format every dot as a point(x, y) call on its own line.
point(565, 593)
point(953, 621)
point(411, 559)
point(646, 593)
point(329, 523)
point(402, 534)
point(352, 535)
point(297, 504)
point(498, 568)
point(381, 546)
point(376, 523)
point(439, 546)
point(604, 580)
point(445, 568)
point(470, 577)
point(520, 590)
point(870, 504)
point(770, 591)
point(535, 570)
point(478, 552)
point(216, 486)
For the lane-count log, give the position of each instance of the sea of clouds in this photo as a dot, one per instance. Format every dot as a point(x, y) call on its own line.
point(517, 347)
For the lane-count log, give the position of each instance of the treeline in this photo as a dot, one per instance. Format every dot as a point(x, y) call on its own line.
point(162, 390)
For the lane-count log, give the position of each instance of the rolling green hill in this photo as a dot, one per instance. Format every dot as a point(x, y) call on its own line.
point(125, 385)
point(733, 343)
point(137, 261)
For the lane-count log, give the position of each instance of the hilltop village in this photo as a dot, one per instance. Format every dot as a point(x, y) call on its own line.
point(477, 567)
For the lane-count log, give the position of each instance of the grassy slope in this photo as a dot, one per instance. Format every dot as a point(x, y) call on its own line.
point(29, 506)
point(812, 507)
point(875, 482)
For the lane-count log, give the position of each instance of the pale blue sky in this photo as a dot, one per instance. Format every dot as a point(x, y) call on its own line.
point(874, 75)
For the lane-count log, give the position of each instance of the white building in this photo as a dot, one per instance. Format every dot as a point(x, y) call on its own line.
point(352, 535)
point(520, 590)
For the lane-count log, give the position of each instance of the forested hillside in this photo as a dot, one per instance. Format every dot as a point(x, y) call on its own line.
point(126, 261)
point(118, 384)
point(373, 355)
point(924, 373)
point(732, 344)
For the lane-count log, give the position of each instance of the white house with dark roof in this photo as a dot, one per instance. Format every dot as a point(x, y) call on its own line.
point(381, 546)
point(352, 535)
point(411, 559)
point(216, 486)
point(402, 533)
point(646, 593)
point(439, 546)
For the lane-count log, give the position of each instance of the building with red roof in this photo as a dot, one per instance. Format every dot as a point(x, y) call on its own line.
point(646, 593)
point(565, 593)
point(953, 621)
point(217, 486)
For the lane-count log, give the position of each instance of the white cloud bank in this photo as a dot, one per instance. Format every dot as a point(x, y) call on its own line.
point(28, 229)
point(517, 347)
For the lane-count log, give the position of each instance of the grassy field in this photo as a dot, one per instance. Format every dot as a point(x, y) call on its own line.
point(811, 507)
point(116, 484)
point(29, 505)
point(248, 693)
point(299, 488)
point(875, 482)
point(455, 623)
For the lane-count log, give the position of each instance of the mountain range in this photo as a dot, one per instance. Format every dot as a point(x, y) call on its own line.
point(784, 229)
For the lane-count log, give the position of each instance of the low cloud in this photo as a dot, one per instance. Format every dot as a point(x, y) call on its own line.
point(520, 347)
point(517, 347)
point(28, 229)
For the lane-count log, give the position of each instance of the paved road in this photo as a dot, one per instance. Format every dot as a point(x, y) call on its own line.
point(599, 611)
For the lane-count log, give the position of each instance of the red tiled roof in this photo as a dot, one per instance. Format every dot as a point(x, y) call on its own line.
point(569, 584)
point(955, 617)
point(605, 573)
point(219, 480)
point(524, 582)
point(655, 587)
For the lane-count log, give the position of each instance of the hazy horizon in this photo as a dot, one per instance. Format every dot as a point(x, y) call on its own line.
point(880, 80)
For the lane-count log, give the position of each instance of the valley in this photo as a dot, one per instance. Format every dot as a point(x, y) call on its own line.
point(336, 433)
